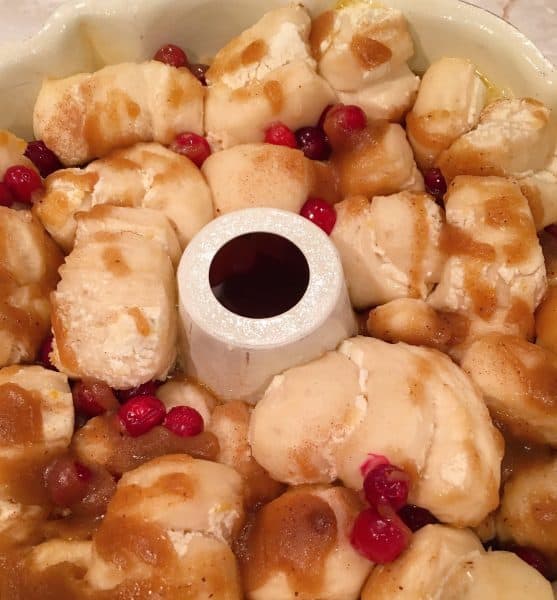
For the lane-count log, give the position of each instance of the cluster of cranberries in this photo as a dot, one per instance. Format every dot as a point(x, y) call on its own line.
point(175, 56)
point(141, 413)
point(382, 531)
point(69, 482)
point(337, 123)
point(317, 142)
point(20, 182)
point(138, 409)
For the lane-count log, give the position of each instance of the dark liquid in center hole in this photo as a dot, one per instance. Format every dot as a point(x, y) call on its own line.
point(259, 275)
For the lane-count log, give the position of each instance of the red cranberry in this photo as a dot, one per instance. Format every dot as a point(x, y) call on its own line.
point(145, 389)
point(387, 484)
point(43, 158)
point(435, 183)
point(140, 414)
point(380, 536)
point(323, 116)
point(280, 135)
point(44, 353)
point(93, 398)
point(200, 70)
point(372, 461)
point(22, 182)
point(552, 229)
point(194, 146)
point(416, 517)
point(534, 558)
point(343, 121)
point(67, 481)
point(83, 473)
point(313, 142)
point(6, 198)
point(172, 55)
point(320, 213)
point(184, 421)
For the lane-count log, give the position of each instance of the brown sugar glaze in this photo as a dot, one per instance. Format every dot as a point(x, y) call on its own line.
point(421, 233)
point(321, 30)
point(68, 357)
point(522, 317)
point(502, 211)
point(467, 162)
point(352, 158)
point(294, 535)
point(324, 182)
point(131, 495)
point(272, 91)
point(126, 543)
point(457, 242)
point(101, 124)
point(235, 56)
point(369, 52)
point(520, 454)
point(118, 540)
point(24, 456)
point(537, 374)
point(419, 128)
point(61, 581)
point(23, 468)
point(123, 541)
point(431, 328)
point(179, 93)
point(275, 95)
point(114, 262)
point(20, 415)
point(141, 322)
point(126, 453)
point(27, 325)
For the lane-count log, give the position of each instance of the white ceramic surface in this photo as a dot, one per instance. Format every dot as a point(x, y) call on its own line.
point(536, 18)
point(236, 356)
point(86, 34)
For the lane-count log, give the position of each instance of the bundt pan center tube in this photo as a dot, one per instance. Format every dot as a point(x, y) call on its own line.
point(260, 291)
